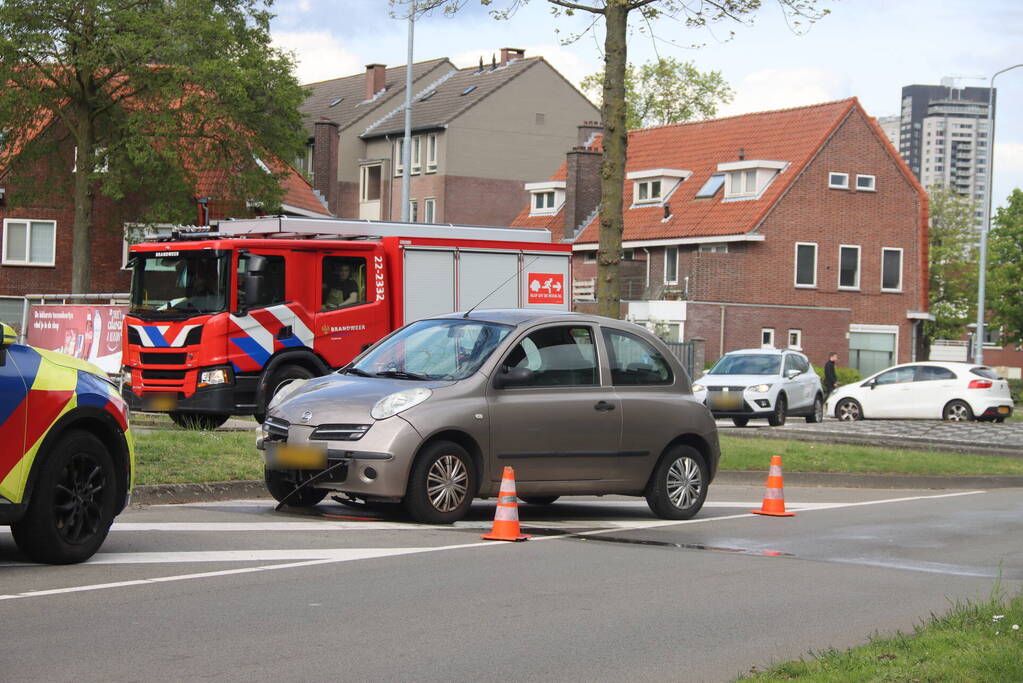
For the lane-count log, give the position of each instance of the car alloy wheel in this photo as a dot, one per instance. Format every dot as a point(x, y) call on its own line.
point(958, 411)
point(684, 482)
point(848, 410)
point(447, 483)
point(781, 406)
point(679, 483)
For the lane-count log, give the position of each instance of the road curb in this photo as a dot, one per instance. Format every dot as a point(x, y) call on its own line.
point(163, 494)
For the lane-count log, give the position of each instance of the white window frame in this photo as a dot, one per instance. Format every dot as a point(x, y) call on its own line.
point(546, 192)
point(716, 248)
point(668, 250)
point(901, 253)
point(7, 261)
point(399, 167)
point(589, 257)
point(638, 185)
point(363, 185)
point(769, 333)
point(798, 345)
point(795, 265)
point(873, 183)
point(417, 155)
point(543, 202)
point(842, 185)
point(431, 153)
point(430, 210)
point(859, 267)
point(413, 210)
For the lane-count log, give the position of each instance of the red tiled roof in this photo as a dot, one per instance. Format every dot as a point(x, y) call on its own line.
point(789, 135)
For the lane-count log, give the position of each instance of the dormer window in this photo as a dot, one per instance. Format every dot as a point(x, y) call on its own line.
point(748, 178)
point(545, 199)
point(654, 185)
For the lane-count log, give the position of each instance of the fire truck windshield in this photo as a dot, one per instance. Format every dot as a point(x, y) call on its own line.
point(180, 284)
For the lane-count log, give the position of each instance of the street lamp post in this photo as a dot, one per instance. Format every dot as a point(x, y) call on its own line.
point(978, 353)
point(406, 145)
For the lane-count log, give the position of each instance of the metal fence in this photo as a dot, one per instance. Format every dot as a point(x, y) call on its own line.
point(686, 354)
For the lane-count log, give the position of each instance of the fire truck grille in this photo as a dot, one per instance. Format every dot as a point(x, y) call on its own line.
point(163, 374)
point(163, 358)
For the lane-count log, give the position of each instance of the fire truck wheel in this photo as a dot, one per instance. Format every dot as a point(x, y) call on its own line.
point(285, 490)
point(72, 505)
point(198, 421)
point(280, 376)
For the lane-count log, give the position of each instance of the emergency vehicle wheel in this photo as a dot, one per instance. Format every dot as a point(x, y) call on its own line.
point(280, 376)
point(72, 503)
point(199, 421)
point(285, 490)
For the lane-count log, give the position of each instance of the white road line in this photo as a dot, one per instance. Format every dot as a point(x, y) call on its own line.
point(337, 555)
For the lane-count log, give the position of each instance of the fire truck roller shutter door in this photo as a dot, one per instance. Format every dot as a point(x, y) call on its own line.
point(429, 283)
point(480, 272)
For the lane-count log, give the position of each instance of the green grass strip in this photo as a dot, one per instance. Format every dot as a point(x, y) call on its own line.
point(975, 642)
point(739, 453)
point(178, 456)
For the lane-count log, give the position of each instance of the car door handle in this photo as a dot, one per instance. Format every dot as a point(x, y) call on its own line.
point(604, 406)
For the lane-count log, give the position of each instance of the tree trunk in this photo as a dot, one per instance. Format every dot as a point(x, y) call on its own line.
point(81, 237)
point(612, 169)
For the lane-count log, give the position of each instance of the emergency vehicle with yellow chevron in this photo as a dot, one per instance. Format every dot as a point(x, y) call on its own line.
point(220, 320)
point(66, 452)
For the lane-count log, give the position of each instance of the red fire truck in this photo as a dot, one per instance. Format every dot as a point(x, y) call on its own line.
point(220, 320)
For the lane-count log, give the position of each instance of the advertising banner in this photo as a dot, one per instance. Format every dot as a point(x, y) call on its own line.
point(89, 332)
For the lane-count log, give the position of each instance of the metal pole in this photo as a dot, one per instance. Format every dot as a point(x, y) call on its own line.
point(978, 354)
point(406, 145)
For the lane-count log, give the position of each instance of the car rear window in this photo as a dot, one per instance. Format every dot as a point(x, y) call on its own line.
point(985, 372)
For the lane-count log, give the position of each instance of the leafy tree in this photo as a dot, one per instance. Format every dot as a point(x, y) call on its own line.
point(615, 15)
point(666, 91)
point(151, 94)
point(1004, 295)
point(952, 256)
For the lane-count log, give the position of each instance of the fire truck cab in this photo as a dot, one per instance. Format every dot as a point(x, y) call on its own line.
point(220, 320)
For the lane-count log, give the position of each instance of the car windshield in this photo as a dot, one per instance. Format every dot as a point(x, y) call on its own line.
point(751, 364)
point(433, 349)
point(179, 284)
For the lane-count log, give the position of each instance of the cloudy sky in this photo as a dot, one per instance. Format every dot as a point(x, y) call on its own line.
point(864, 48)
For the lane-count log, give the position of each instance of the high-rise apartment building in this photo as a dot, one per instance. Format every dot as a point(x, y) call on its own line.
point(944, 137)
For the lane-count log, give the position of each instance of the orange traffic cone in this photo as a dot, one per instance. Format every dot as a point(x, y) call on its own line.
point(774, 496)
point(506, 517)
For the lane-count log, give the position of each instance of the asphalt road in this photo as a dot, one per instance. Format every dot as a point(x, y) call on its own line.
point(604, 591)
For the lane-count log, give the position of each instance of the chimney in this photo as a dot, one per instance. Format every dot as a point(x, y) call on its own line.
point(582, 187)
point(375, 79)
point(587, 130)
point(325, 139)
point(509, 54)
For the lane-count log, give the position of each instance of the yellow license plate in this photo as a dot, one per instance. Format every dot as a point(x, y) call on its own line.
point(296, 457)
point(726, 401)
point(160, 403)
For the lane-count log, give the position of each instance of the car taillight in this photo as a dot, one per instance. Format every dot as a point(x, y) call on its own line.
point(980, 384)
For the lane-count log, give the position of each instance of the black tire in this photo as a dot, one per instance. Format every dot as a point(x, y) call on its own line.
point(278, 378)
point(999, 420)
point(818, 410)
point(957, 411)
point(72, 503)
point(198, 421)
point(441, 485)
point(286, 490)
point(679, 484)
point(539, 500)
point(740, 421)
point(781, 406)
point(849, 410)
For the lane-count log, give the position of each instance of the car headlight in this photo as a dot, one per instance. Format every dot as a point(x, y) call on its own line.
point(285, 391)
point(698, 387)
point(209, 378)
point(389, 406)
point(760, 388)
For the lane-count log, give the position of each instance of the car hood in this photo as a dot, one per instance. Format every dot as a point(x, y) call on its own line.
point(737, 380)
point(335, 397)
point(66, 361)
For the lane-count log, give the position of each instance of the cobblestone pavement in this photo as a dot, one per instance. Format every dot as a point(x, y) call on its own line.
point(1005, 438)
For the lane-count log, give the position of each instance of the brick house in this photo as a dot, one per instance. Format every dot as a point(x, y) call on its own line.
point(801, 227)
point(36, 235)
point(519, 111)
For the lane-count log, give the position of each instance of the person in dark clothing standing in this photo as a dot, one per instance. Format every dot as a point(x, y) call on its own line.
point(830, 378)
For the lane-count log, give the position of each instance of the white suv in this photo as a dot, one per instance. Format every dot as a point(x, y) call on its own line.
point(762, 383)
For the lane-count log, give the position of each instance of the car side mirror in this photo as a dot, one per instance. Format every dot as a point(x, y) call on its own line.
point(872, 385)
point(792, 374)
point(513, 377)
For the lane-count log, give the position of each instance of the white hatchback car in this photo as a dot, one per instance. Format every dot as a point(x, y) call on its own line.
point(761, 383)
point(925, 390)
